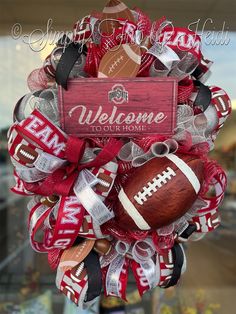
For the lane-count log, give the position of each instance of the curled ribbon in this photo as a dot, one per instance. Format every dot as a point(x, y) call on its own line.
point(131, 152)
point(142, 252)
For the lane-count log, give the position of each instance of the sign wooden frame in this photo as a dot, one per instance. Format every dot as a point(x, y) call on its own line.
point(95, 107)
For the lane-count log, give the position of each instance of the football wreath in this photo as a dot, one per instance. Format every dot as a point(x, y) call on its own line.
point(107, 205)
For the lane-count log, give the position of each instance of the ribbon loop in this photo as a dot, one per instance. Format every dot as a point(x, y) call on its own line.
point(74, 149)
point(89, 199)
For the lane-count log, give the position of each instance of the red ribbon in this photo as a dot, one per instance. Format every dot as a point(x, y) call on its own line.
point(62, 180)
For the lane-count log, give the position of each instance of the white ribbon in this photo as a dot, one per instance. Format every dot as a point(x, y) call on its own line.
point(160, 149)
point(113, 276)
point(122, 248)
point(187, 122)
point(33, 202)
point(184, 67)
point(39, 212)
point(165, 231)
point(30, 175)
point(165, 54)
point(158, 69)
point(97, 231)
point(44, 164)
point(150, 271)
point(131, 152)
point(54, 212)
point(89, 199)
point(48, 105)
point(90, 154)
point(142, 160)
point(48, 163)
point(143, 252)
point(106, 260)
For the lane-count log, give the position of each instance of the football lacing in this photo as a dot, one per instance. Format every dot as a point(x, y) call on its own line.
point(79, 270)
point(157, 182)
point(27, 155)
point(115, 64)
point(104, 183)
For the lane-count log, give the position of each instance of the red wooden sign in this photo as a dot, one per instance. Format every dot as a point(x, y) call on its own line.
point(119, 107)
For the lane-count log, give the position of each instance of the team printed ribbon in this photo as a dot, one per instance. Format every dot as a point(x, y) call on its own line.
point(75, 289)
point(67, 215)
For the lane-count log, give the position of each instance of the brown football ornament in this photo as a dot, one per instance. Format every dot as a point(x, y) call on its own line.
point(114, 10)
point(26, 154)
point(120, 62)
point(159, 192)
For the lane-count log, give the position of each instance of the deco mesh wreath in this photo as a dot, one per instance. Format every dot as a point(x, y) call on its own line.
point(101, 207)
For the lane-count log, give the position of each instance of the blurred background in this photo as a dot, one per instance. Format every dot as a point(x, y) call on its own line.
point(26, 282)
